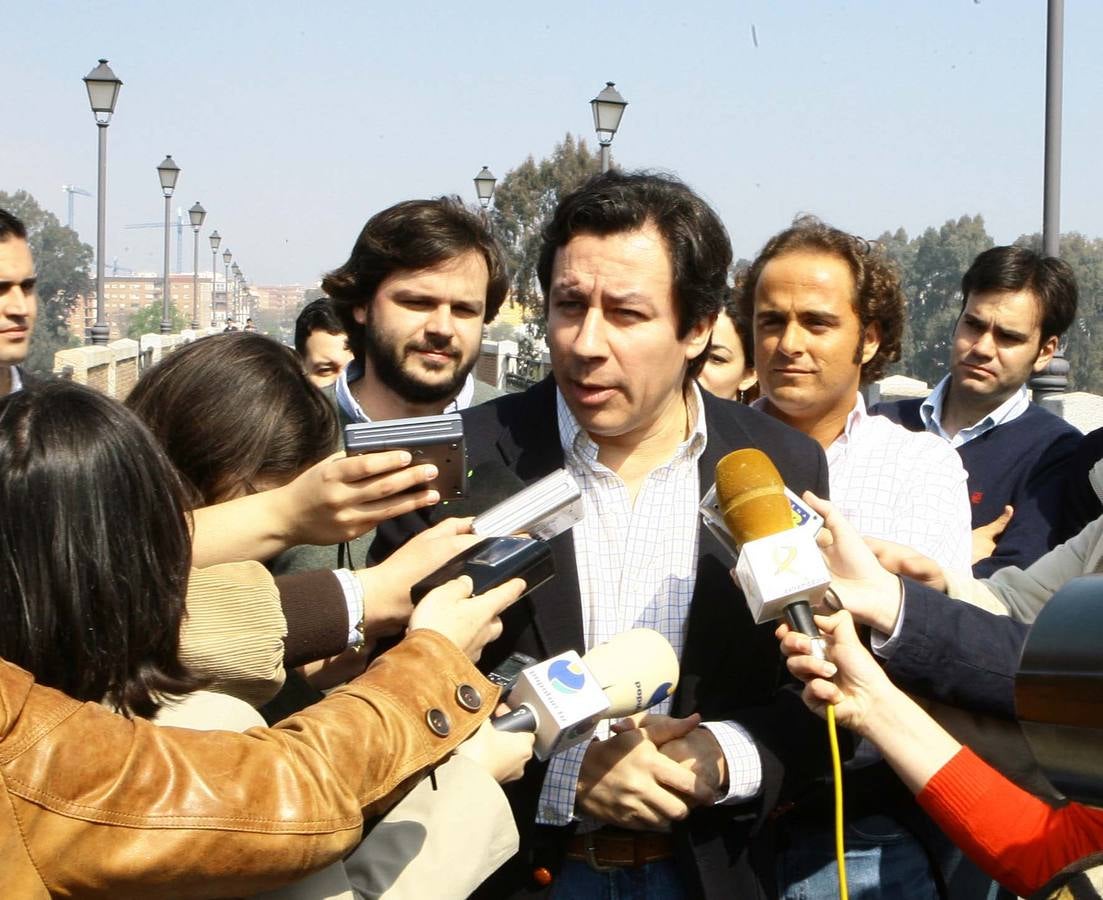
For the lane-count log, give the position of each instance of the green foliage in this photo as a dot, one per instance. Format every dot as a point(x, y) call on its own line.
point(1084, 339)
point(931, 267)
point(147, 320)
point(61, 263)
point(523, 200)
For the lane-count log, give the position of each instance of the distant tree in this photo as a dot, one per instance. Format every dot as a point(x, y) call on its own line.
point(1084, 339)
point(502, 331)
point(902, 252)
point(273, 323)
point(931, 268)
point(61, 264)
point(147, 320)
point(523, 200)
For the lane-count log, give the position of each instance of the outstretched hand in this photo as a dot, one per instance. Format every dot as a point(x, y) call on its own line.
point(469, 622)
point(858, 581)
point(342, 497)
point(387, 604)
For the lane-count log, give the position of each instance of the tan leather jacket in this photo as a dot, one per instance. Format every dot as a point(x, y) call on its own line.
point(96, 805)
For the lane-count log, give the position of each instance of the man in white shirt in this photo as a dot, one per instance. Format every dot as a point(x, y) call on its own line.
point(18, 303)
point(828, 315)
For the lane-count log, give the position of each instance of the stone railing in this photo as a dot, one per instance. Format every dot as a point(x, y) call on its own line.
point(114, 368)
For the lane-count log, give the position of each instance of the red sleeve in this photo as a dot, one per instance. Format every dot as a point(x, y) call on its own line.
point(1016, 838)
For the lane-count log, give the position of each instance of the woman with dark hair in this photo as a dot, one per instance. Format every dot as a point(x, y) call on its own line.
point(729, 364)
point(94, 549)
point(236, 415)
point(94, 568)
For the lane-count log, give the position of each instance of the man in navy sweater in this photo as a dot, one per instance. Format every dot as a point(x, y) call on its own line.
point(1016, 305)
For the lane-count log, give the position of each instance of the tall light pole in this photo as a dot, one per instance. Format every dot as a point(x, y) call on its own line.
point(1051, 193)
point(227, 256)
point(236, 269)
point(484, 187)
point(216, 239)
point(608, 107)
point(103, 91)
point(168, 172)
point(197, 214)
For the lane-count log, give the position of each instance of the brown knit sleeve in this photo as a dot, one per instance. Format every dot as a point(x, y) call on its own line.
point(317, 616)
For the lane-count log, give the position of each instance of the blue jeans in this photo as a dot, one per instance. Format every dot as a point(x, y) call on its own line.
point(654, 881)
point(883, 859)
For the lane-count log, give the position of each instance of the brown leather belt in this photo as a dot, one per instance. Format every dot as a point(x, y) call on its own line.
point(617, 848)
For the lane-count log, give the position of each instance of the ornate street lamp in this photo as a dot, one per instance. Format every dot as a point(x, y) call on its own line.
point(197, 214)
point(168, 172)
point(227, 256)
point(103, 90)
point(608, 107)
point(215, 239)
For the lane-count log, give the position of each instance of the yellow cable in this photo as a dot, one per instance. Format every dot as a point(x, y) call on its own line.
point(837, 771)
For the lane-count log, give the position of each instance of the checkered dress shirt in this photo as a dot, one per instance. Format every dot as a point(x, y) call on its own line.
point(637, 568)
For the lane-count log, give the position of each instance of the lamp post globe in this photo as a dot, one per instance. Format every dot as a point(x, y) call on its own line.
point(484, 186)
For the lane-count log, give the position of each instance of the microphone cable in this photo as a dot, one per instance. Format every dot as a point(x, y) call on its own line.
point(837, 773)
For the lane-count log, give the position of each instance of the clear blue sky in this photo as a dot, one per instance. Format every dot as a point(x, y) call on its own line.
point(293, 122)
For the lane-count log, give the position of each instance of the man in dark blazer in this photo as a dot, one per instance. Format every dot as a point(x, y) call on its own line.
point(634, 270)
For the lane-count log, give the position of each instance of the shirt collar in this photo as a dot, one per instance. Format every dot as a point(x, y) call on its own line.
point(16, 379)
point(577, 443)
point(930, 411)
point(355, 370)
point(854, 418)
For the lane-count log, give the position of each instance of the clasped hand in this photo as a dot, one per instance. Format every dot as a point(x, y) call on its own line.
point(652, 771)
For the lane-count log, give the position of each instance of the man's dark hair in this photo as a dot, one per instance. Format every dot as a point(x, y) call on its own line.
point(416, 234)
point(878, 296)
point(1049, 279)
point(94, 549)
point(11, 227)
point(233, 410)
point(317, 315)
point(616, 202)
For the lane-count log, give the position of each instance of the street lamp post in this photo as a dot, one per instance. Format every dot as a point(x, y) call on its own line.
point(484, 186)
point(608, 107)
point(168, 172)
point(227, 256)
point(103, 91)
point(197, 214)
point(236, 269)
point(216, 239)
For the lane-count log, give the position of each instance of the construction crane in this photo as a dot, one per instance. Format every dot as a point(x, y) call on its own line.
point(72, 190)
point(116, 268)
point(180, 217)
